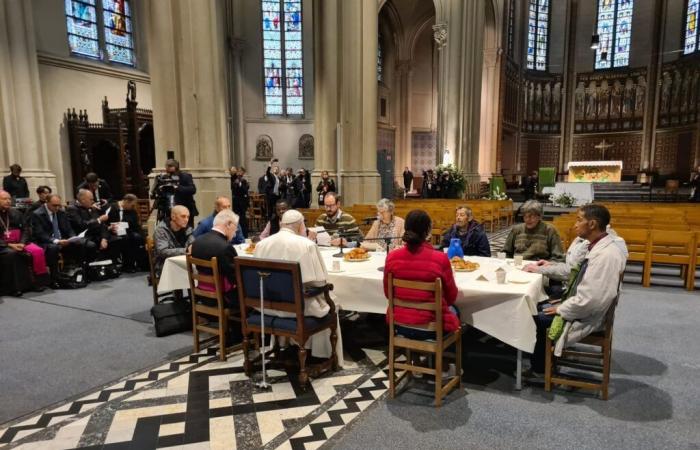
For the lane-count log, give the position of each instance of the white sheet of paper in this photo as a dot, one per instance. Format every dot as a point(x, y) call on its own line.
point(323, 238)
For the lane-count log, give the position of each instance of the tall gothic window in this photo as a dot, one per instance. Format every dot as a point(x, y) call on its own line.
point(691, 27)
point(282, 57)
point(511, 28)
point(380, 61)
point(538, 34)
point(615, 33)
point(101, 29)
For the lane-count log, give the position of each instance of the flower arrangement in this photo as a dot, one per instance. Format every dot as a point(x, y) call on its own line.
point(496, 194)
point(563, 200)
point(457, 184)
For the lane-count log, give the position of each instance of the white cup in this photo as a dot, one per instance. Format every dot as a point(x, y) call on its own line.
point(501, 277)
point(501, 255)
point(248, 241)
point(336, 266)
point(518, 260)
point(444, 250)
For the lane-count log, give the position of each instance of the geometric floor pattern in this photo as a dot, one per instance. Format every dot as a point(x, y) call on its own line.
point(199, 402)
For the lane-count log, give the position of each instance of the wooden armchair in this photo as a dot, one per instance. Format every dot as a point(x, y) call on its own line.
point(203, 311)
point(282, 291)
point(596, 361)
point(436, 347)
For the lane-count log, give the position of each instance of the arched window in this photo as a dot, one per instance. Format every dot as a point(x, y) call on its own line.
point(691, 27)
point(101, 30)
point(615, 33)
point(538, 35)
point(380, 61)
point(282, 57)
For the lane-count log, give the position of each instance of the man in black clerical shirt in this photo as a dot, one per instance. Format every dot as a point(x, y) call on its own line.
point(15, 184)
point(125, 234)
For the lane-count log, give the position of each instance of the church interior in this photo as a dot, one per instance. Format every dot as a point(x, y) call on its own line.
point(570, 115)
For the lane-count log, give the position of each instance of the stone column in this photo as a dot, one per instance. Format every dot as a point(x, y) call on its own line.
point(22, 130)
point(491, 84)
point(346, 94)
point(459, 33)
point(404, 76)
point(188, 66)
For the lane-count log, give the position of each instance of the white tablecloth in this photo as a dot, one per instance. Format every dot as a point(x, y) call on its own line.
point(582, 192)
point(503, 311)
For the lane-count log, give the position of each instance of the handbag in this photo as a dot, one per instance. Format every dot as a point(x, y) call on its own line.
point(171, 316)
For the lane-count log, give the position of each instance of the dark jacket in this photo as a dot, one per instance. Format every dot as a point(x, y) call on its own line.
point(270, 183)
point(42, 230)
point(16, 222)
point(323, 187)
point(103, 194)
point(474, 242)
point(184, 195)
point(15, 186)
point(214, 244)
point(81, 219)
point(131, 217)
point(205, 225)
point(239, 193)
point(407, 178)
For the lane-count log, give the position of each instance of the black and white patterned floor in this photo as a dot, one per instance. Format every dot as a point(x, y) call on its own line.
point(199, 402)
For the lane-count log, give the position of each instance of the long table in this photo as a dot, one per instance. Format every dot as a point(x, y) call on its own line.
point(503, 311)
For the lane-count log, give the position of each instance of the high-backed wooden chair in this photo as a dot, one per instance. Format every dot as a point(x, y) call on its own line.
point(436, 347)
point(207, 317)
point(282, 290)
point(676, 248)
point(153, 276)
point(596, 361)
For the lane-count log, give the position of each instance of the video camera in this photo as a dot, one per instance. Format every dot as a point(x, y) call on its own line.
point(164, 193)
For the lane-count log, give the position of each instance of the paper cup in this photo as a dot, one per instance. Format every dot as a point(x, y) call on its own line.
point(501, 277)
point(518, 260)
point(502, 255)
point(336, 266)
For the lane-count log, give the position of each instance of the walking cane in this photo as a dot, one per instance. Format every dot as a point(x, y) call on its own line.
point(263, 384)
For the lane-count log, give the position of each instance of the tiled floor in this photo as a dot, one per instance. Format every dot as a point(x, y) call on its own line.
point(199, 402)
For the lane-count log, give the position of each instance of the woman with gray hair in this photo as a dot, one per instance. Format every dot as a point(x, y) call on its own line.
point(387, 225)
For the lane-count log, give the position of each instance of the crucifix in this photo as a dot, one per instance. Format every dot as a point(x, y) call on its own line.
point(604, 145)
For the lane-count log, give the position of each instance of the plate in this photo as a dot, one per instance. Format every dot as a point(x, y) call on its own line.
point(465, 270)
point(356, 260)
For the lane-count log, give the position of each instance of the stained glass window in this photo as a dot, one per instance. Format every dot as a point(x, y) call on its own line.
point(511, 28)
point(538, 34)
point(380, 61)
point(691, 27)
point(283, 57)
point(615, 33)
point(101, 30)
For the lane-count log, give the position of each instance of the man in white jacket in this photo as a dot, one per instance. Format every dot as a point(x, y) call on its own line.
point(596, 285)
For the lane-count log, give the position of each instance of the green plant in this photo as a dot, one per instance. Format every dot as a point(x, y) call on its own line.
point(496, 194)
point(458, 182)
point(563, 200)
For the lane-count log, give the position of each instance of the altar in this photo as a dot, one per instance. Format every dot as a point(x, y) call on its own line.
point(595, 171)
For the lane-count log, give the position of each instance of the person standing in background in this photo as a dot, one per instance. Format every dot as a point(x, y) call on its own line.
point(325, 186)
point(15, 184)
point(407, 180)
point(239, 194)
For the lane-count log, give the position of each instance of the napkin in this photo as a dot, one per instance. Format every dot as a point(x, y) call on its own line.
point(482, 277)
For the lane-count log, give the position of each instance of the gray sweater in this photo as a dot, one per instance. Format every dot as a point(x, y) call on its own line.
point(167, 245)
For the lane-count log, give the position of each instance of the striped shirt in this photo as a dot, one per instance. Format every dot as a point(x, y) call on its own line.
point(341, 222)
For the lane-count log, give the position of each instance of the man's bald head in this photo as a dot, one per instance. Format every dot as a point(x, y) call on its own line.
point(85, 198)
point(222, 203)
point(5, 200)
point(179, 216)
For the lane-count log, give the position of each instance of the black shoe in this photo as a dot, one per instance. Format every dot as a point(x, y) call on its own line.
point(38, 288)
point(55, 285)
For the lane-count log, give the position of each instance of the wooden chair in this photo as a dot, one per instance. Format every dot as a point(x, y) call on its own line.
point(596, 361)
point(154, 278)
point(202, 313)
point(676, 248)
point(436, 347)
point(282, 291)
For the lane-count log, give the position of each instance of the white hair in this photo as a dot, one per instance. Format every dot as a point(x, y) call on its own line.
point(83, 192)
point(225, 216)
point(387, 204)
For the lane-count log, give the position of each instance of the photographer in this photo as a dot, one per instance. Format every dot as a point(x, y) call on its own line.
point(239, 194)
point(174, 188)
point(302, 187)
point(272, 186)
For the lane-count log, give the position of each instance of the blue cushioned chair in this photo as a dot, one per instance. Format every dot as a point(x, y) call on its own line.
point(282, 291)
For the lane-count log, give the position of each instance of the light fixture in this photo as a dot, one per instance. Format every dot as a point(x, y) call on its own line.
point(595, 42)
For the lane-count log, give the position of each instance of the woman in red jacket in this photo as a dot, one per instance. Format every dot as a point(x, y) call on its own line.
point(418, 261)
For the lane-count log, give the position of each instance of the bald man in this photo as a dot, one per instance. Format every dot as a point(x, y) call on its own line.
point(205, 225)
point(172, 239)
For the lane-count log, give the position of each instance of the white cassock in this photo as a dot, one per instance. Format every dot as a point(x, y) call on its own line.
point(288, 246)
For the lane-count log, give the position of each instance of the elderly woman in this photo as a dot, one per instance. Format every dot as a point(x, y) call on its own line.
point(469, 232)
point(387, 225)
point(534, 239)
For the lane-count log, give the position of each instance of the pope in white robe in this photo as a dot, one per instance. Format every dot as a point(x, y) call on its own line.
point(289, 245)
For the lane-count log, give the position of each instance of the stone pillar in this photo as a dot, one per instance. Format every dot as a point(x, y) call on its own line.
point(491, 84)
point(22, 130)
point(404, 76)
point(188, 66)
point(236, 48)
point(346, 94)
point(459, 33)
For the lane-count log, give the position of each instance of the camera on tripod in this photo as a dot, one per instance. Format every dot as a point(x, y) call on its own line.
point(164, 194)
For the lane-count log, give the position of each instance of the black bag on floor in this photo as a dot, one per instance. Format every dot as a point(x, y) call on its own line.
point(171, 316)
point(72, 277)
point(103, 270)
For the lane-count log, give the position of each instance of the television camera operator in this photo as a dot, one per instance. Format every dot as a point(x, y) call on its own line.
point(174, 187)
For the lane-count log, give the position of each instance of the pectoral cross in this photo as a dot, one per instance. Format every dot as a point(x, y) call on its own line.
point(604, 145)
